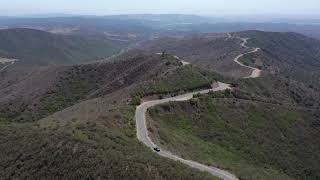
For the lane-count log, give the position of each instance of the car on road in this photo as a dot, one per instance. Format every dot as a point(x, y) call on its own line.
point(156, 149)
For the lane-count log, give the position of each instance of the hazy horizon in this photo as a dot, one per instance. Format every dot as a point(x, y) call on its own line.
point(200, 7)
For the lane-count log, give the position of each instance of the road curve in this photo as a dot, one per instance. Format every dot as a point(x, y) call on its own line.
point(142, 129)
point(143, 134)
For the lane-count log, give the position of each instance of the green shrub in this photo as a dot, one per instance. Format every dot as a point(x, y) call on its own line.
point(136, 100)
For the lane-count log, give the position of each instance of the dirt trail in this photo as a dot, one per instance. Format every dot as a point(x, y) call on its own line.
point(255, 71)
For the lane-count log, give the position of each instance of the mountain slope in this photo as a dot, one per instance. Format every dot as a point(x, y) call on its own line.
point(255, 140)
point(266, 128)
point(34, 47)
point(27, 94)
point(77, 121)
point(291, 66)
point(82, 149)
point(212, 51)
point(288, 54)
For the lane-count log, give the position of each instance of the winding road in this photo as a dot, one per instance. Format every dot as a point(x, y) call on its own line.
point(255, 71)
point(142, 129)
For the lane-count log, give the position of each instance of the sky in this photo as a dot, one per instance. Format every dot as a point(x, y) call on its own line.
point(201, 7)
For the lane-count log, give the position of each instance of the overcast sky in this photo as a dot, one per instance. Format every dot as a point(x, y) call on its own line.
point(207, 7)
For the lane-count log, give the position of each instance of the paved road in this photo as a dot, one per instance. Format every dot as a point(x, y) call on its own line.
point(143, 134)
point(142, 130)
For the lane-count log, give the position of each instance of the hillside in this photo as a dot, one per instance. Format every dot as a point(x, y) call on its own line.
point(102, 147)
point(28, 94)
point(78, 120)
point(34, 47)
point(31, 93)
point(266, 128)
point(291, 64)
point(213, 52)
point(291, 53)
point(253, 139)
point(287, 54)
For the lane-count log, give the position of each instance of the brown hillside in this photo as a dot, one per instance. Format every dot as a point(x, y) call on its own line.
point(32, 93)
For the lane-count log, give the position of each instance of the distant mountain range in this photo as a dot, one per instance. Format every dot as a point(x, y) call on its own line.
point(151, 25)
